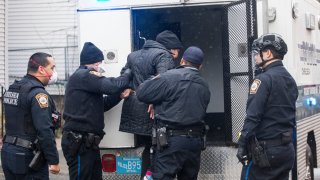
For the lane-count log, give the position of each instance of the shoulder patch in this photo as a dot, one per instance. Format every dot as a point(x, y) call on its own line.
point(255, 86)
point(95, 73)
point(42, 100)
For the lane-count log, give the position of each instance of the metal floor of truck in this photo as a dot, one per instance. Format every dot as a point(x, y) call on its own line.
point(63, 175)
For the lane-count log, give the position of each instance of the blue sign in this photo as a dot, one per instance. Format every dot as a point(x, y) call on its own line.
point(128, 165)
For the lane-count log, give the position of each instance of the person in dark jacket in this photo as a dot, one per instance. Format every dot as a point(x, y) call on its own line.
point(154, 58)
point(84, 113)
point(265, 144)
point(180, 97)
point(29, 110)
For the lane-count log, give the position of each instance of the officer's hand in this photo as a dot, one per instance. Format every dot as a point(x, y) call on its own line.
point(126, 93)
point(151, 111)
point(54, 169)
point(242, 155)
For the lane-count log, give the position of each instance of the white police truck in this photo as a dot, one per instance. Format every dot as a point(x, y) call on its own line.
point(224, 30)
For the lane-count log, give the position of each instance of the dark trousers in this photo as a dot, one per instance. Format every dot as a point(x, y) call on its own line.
point(15, 163)
point(180, 159)
point(146, 162)
point(146, 165)
point(86, 165)
point(281, 159)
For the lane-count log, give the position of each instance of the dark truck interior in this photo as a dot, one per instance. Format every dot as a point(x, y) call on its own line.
point(195, 26)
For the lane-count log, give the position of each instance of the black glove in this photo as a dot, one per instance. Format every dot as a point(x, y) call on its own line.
point(242, 155)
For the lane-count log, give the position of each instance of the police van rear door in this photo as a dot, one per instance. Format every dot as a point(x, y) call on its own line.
point(109, 29)
point(239, 31)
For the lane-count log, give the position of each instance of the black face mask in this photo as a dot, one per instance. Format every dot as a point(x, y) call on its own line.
point(258, 70)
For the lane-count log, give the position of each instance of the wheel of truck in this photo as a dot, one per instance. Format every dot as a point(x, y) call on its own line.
point(309, 164)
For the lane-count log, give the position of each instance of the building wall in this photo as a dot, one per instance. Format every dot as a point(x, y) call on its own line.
point(43, 26)
point(3, 43)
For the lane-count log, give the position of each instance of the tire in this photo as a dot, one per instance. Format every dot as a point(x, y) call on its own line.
point(309, 164)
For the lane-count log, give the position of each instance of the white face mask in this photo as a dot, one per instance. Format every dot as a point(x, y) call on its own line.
point(100, 69)
point(54, 77)
point(97, 67)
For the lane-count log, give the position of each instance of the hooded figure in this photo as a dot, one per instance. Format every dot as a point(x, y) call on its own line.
point(169, 40)
point(154, 58)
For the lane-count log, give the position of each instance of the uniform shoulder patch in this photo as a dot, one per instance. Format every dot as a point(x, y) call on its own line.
point(95, 73)
point(255, 86)
point(42, 100)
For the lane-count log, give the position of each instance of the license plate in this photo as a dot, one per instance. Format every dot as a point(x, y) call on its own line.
point(128, 165)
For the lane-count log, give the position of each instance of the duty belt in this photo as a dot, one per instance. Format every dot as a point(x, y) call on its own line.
point(18, 141)
point(185, 132)
point(273, 142)
point(89, 139)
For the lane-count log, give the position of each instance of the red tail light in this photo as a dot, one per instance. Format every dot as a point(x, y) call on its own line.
point(108, 163)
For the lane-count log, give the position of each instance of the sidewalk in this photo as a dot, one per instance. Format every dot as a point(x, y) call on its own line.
point(63, 175)
point(63, 164)
point(316, 173)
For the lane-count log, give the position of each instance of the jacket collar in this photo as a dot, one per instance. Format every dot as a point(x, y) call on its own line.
point(274, 64)
point(187, 66)
point(86, 67)
point(34, 79)
point(83, 67)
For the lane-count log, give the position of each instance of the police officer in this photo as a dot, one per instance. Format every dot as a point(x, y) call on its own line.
point(29, 110)
point(84, 113)
point(180, 97)
point(154, 58)
point(265, 144)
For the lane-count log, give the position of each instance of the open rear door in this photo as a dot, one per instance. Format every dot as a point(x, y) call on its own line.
point(109, 30)
point(239, 32)
point(110, 4)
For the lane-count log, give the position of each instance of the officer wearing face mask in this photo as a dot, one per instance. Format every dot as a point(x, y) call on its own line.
point(29, 112)
point(85, 105)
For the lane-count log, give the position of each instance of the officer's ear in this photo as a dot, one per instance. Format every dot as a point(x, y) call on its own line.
point(200, 67)
point(268, 54)
point(183, 62)
point(41, 70)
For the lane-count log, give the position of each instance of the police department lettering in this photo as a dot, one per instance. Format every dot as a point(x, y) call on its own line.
point(11, 98)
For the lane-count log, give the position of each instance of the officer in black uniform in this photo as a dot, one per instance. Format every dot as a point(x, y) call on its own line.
point(180, 97)
point(154, 58)
point(29, 111)
point(265, 144)
point(84, 113)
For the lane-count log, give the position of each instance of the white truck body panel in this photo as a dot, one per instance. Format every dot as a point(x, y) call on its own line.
point(111, 36)
point(294, 31)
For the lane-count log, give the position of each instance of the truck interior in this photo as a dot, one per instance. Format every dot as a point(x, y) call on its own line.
point(195, 26)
